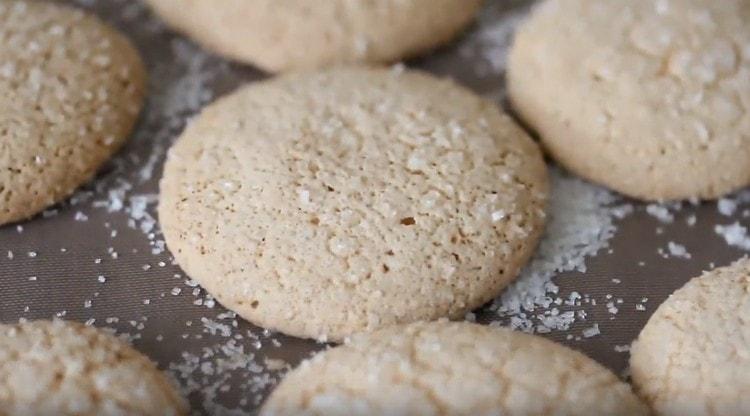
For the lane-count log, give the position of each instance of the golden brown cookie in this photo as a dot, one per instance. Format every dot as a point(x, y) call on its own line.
point(71, 89)
point(278, 35)
point(445, 368)
point(65, 368)
point(693, 356)
point(648, 97)
point(322, 204)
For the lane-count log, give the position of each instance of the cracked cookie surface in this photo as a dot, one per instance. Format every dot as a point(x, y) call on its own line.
point(451, 368)
point(692, 358)
point(278, 35)
point(66, 368)
point(323, 204)
point(71, 89)
point(648, 97)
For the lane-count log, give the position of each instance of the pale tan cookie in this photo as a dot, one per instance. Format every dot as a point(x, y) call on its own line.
point(322, 204)
point(278, 35)
point(451, 368)
point(70, 91)
point(65, 368)
point(648, 97)
point(693, 356)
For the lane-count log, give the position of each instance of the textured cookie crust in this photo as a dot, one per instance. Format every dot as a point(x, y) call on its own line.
point(648, 97)
point(693, 356)
point(278, 35)
point(65, 368)
point(322, 204)
point(444, 368)
point(70, 91)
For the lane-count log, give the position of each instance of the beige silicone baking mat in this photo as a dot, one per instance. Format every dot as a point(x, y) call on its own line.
point(603, 267)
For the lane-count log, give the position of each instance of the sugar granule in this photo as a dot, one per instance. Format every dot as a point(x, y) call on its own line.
point(660, 212)
point(622, 348)
point(735, 235)
point(727, 207)
point(591, 332)
point(678, 250)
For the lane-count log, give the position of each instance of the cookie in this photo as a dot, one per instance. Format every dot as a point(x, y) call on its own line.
point(325, 203)
point(451, 368)
point(70, 91)
point(301, 34)
point(693, 356)
point(65, 368)
point(648, 97)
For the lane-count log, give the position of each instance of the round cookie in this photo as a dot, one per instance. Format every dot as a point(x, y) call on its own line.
point(70, 91)
point(451, 368)
point(693, 356)
point(65, 368)
point(648, 97)
point(322, 204)
point(294, 34)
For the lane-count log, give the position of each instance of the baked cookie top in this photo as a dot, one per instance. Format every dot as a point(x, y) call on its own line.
point(65, 368)
point(279, 35)
point(321, 204)
point(71, 89)
point(648, 97)
point(444, 368)
point(693, 356)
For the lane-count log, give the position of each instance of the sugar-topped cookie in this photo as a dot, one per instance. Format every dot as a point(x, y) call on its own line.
point(65, 368)
point(71, 89)
point(648, 97)
point(444, 368)
point(294, 34)
point(693, 356)
point(326, 203)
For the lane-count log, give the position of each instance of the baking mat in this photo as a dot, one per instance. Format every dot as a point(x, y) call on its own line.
point(603, 267)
